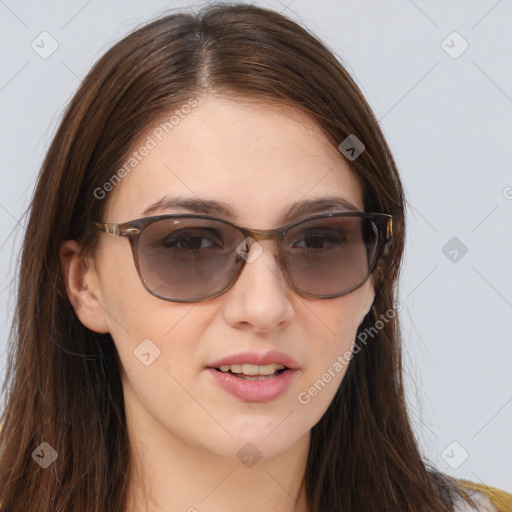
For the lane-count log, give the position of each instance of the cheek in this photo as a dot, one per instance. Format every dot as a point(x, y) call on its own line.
point(159, 356)
point(334, 337)
point(337, 321)
point(156, 334)
point(150, 334)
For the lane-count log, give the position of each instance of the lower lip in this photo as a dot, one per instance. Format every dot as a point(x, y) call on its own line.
point(254, 390)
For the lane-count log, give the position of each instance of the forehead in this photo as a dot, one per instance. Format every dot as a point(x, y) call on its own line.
point(257, 158)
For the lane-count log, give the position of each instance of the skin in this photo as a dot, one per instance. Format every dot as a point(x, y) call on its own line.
point(185, 431)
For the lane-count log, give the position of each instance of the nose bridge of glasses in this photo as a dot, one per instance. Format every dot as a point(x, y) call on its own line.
point(257, 236)
point(261, 235)
point(264, 234)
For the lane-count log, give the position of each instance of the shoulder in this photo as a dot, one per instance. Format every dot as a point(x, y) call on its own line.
point(486, 498)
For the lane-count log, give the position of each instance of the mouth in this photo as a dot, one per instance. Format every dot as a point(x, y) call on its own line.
point(253, 377)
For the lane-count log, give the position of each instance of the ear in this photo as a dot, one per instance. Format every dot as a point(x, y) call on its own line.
point(81, 281)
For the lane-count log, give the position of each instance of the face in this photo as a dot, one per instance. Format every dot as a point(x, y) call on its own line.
point(258, 159)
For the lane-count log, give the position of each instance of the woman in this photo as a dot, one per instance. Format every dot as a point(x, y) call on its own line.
point(217, 223)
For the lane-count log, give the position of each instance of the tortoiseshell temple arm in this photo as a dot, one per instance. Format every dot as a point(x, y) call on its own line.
point(115, 229)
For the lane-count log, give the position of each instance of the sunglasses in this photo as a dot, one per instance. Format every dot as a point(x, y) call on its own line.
point(190, 258)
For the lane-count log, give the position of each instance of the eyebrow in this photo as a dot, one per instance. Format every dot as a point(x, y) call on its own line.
point(224, 210)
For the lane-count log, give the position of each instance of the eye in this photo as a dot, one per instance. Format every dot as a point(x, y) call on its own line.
point(192, 240)
point(191, 243)
point(320, 239)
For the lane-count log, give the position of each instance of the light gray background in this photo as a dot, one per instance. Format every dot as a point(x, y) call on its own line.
point(449, 123)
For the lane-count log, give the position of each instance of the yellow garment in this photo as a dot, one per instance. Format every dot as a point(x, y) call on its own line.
point(502, 500)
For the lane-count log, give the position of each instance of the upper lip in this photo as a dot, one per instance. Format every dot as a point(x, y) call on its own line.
point(259, 359)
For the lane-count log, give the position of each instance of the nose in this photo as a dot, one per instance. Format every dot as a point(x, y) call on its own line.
point(260, 299)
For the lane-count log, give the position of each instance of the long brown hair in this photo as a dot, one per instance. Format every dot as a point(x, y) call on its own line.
point(63, 381)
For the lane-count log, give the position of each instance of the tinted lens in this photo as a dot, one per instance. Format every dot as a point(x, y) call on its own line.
point(192, 259)
point(188, 259)
point(331, 255)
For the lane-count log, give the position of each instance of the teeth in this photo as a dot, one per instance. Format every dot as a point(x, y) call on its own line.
point(253, 377)
point(252, 369)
